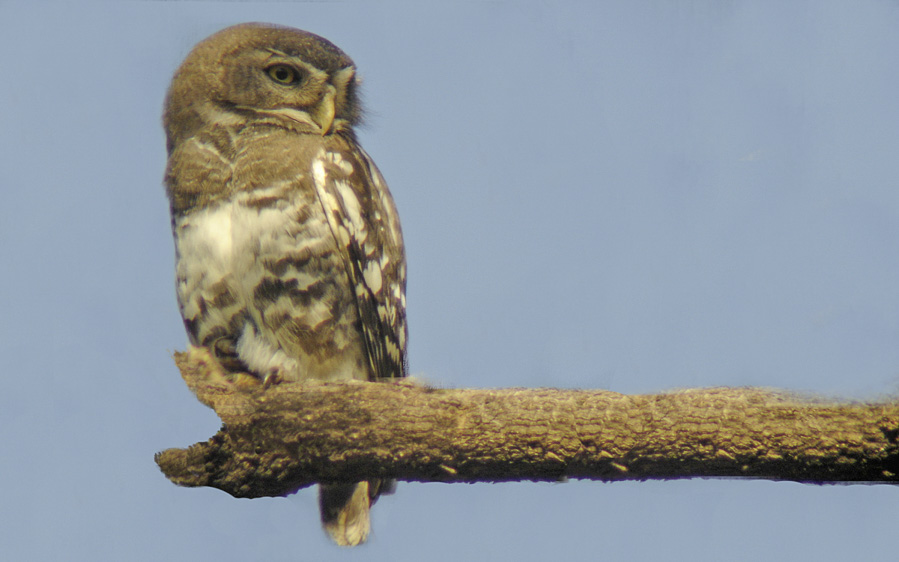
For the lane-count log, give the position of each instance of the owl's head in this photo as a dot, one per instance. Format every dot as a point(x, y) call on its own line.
point(263, 71)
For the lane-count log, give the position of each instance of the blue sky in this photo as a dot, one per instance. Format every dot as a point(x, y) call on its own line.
point(634, 196)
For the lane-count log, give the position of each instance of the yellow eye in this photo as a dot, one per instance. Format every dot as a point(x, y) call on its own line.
point(283, 74)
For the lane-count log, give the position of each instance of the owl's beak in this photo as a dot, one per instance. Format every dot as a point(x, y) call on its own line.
point(324, 112)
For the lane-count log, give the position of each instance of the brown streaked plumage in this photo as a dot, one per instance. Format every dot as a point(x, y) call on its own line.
point(290, 258)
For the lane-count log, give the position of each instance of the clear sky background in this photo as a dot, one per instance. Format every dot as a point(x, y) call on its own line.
point(634, 196)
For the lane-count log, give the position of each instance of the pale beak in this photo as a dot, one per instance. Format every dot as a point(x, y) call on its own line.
point(324, 112)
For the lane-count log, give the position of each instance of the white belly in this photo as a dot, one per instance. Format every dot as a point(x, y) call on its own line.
point(227, 246)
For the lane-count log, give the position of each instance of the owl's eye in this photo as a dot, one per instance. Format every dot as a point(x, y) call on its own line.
point(283, 74)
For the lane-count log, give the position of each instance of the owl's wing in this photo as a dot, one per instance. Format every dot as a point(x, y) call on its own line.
point(363, 220)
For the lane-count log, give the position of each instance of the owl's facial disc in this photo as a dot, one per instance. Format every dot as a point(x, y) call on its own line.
point(292, 88)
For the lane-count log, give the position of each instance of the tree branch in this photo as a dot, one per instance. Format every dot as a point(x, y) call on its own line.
point(278, 438)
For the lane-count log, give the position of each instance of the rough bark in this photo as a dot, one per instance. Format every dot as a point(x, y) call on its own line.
point(277, 438)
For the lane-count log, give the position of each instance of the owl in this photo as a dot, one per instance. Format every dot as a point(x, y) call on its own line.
point(290, 259)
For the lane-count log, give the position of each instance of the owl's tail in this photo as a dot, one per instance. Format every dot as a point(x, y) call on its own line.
point(345, 510)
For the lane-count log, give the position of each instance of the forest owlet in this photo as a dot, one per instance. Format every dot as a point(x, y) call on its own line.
point(290, 258)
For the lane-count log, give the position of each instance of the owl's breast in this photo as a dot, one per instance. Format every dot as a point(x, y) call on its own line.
point(207, 254)
point(207, 237)
point(260, 274)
